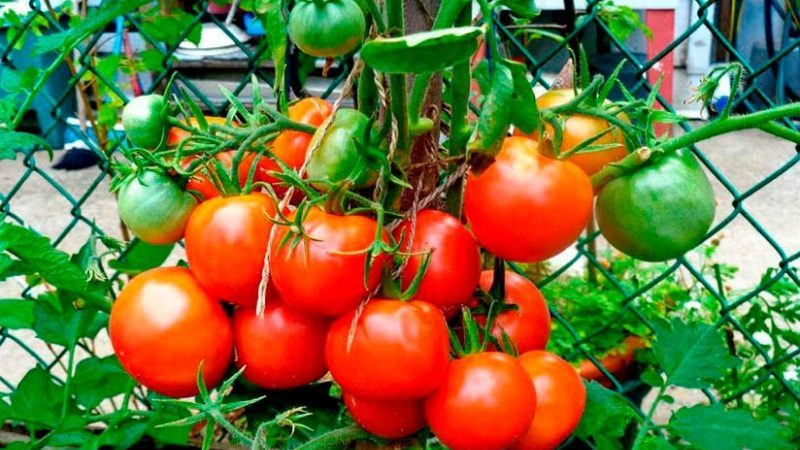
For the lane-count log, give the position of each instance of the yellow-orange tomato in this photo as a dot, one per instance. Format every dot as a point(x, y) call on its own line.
point(577, 129)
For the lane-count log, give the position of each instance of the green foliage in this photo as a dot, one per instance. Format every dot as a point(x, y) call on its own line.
point(713, 427)
point(622, 20)
point(606, 418)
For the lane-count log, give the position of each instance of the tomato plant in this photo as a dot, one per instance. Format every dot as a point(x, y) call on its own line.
point(163, 326)
point(323, 271)
point(327, 29)
point(154, 207)
point(144, 119)
point(389, 420)
point(486, 401)
point(560, 400)
point(281, 348)
point(176, 135)
point(226, 240)
point(528, 324)
point(389, 337)
point(454, 266)
point(526, 207)
point(204, 182)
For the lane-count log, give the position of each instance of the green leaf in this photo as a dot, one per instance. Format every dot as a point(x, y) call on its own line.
point(58, 322)
point(425, 52)
point(141, 257)
point(523, 101)
point(16, 140)
point(37, 399)
point(495, 115)
point(622, 21)
point(36, 252)
point(692, 355)
point(522, 8)
point(655, 443)
point(97, 379)
point(123, 435)
point(712, 427)
point(16, 314)
point(606, 416)
point(15, 81)
point(270, 13)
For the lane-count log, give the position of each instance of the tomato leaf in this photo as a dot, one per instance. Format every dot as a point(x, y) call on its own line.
point(606, 416)
point(16, 140)
point(57, 321)
point(521, 8)
point(37, 399)
point(97, 379)
point(36, 252)
point(16, 314)
point(495, 115)
point(270, 13)
point(691, 355)
point(141, 256)
point(712, 427)
point(523, 102)
point(425, 52)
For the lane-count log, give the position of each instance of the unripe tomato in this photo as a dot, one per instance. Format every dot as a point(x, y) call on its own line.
point(145, 121)
point(326, 28)
point(528, 326)
point(486, 402)
point(280, 349)
point(226, 239)
point(526, 207)
point(291, 146)
point(176, 135)
point(324, 273)
point(389, 420)
point(660, 211)
point(163, 325)
point(155, 208)
point(577, 129)
point(455, 260)
point(343, 153)
point(560, 400)
point(398, 351)
point(201, 183)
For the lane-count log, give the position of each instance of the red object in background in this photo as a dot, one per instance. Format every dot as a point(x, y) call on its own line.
point(662, 22)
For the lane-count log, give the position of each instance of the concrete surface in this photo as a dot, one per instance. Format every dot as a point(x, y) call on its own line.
point(744, 158)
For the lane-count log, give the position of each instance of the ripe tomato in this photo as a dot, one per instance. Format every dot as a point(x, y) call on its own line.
point(529, 325)
point(577, 129)
point(560, 400)
point(389, 420)
point(321, 275)
point(399, 350)
point(291, 146)
point(455, 260)
point(163, 325)
point(282, 348)
point(486, 402)
point(226, 239)
point(202, 182)
point(154, 207)
point(176, 135)
point(326, 29)
point(660, 211)
point(145, 121)
point(526, 207)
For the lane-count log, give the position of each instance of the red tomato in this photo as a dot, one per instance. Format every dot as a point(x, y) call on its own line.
point(526, 207)
point(176, 135)
point(529, 325)
point(486, 402)
point(316, 275)
point(226, 239)
point(577, 129)
point(560, 400)
point(163, 325)
point(455, 260)
point(282, 348)
point(399, 350)
point(291, 146)
point(201, 182)
point(389, 420)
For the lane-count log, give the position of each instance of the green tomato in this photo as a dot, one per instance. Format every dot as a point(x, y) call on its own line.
point(343, 153)
point(155, 208)
point(327, 28)
point(659, 212)
point(145, 121)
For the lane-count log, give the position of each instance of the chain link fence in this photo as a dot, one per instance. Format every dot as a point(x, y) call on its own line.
point(140, 52)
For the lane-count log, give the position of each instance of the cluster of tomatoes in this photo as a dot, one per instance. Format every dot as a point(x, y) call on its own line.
point(392, 358)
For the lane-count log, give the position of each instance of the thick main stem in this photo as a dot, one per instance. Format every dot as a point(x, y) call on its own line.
point(397, 82)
